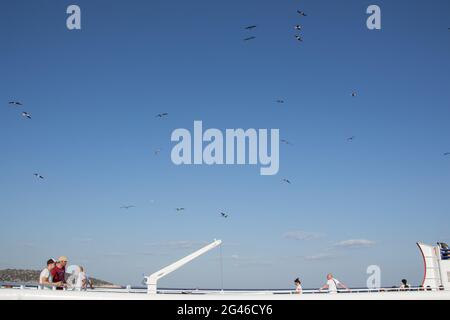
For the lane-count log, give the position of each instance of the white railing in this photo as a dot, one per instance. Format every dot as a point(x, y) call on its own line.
point(129, 289)
point(305, 291)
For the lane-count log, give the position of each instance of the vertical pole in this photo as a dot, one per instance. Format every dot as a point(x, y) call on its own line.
point(221, 266)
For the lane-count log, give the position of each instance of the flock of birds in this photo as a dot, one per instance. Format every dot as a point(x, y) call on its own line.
point(297, 27)
point(250, 28)
point(178, 210)
point(166, 114)
point(19, 104)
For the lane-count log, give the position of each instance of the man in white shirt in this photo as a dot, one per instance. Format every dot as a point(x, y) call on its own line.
point(333, 284)
point(45, 278)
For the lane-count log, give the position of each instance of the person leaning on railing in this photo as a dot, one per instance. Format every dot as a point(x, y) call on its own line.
point(46, 278)
point(298, 286)
point(59, 272)
point(333, 284)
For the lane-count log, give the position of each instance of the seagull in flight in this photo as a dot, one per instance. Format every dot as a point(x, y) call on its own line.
point(249, 38)
point(351, 138)
point(127, 207)
point(161, 115)
point(299, 38)
point(354, 94)
point(180, 209)
point(250, 27)
point(15, 103)
point(302, 13)
point(281, 101)
point(26, 115)
point(37, 175)
point(298, 27)
point(286, 142)
point(224, 215)
point(287, 181)
point(157, 151)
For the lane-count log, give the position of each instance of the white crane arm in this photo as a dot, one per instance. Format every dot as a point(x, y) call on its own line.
point(152, 280)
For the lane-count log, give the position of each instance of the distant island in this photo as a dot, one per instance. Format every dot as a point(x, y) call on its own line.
point(32, 277)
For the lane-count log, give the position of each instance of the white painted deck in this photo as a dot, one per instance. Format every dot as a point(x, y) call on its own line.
point(124, 294)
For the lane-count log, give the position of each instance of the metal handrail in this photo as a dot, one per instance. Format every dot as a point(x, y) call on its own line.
point(305, 291)
point(36, 286)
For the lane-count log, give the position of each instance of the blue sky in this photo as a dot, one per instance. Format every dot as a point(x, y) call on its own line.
point(94, 93)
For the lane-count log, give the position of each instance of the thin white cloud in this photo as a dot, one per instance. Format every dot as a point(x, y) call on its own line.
point(83, 240)
point(151, 253)
point(321, 257)
point(302, 235)
point(114, 254)
point(354, 243)
point(242, 262)
point(252, 263)
point(29, 245)
point(179, 244)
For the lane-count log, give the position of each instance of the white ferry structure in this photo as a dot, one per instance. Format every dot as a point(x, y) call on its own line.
point(435, 286)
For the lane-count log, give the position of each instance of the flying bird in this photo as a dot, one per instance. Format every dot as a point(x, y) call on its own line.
point(15, 103)
point(26, 115)
point(351, 138)
point(286, 142)
point(224, 215)
point(354, 94)
point(298, 27)
point(250, 27)
point(37, 175)
point(180, 209)
point(447, 154)
point(161, 115)
point(299, 38)
point(157, 151)
point(280, 101)
point(303, 14)
point(287, 181)
point(127, 207)
point(249, 38)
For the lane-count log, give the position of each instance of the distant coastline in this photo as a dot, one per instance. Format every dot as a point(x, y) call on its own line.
point(28, 276)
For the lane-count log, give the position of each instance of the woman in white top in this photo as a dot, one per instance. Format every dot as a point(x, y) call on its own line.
point(81, 282)
point(298, 286)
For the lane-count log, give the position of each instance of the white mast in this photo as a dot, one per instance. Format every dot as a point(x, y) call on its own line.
point(152, 280)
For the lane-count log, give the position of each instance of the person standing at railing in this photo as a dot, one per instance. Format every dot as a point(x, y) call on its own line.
point(81, 280)
point(59, 272)
point(46, 278)
point(298, 286)
point(333, 284)
point(405, 285)
point(89, 282)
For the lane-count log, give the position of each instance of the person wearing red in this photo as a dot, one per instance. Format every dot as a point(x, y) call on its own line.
point(59, 272)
